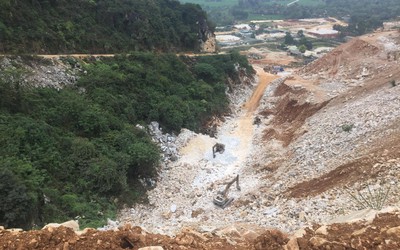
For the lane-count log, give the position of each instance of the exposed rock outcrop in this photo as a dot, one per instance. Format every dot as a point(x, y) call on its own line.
point(207, 41)
point(40, 72)
point(165, 141)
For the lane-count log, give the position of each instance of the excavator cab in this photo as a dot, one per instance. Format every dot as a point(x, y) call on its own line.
point(218, 147)
point(222, 199)
point(257, 121)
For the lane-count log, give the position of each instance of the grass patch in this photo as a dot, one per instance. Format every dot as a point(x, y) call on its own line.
point(374, 198)
point(347, 127)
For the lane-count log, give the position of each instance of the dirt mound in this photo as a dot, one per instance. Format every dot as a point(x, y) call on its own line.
point(272, 239)
point(381, 232)
point(289, 114)
point(124, 238)
point(342, 55)
point(377, 163)
point(331, 132)
point(284, 89)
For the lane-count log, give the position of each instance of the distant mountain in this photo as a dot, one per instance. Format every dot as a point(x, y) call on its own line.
point(101, 26)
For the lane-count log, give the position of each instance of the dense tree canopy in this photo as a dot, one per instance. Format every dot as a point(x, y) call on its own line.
point(98, 26)
point(364, 15)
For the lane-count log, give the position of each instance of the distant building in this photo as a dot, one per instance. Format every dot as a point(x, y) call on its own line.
point(391, 25)
point(273, 31)
point(324, 33)
point(293, 50)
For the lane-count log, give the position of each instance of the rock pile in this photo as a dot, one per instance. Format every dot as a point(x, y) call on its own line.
point(42, 72)
point(165, 141)
point(373, 231)
point(365, 229)
point(350, 142)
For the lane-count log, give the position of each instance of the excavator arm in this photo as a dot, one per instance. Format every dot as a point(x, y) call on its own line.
point(222, 199)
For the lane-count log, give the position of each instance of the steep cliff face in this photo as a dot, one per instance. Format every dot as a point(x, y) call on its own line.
point(207, 41)
point(210, 45)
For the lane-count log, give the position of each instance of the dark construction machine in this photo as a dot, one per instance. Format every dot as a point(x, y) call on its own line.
point(218, 147)
point(222, 199)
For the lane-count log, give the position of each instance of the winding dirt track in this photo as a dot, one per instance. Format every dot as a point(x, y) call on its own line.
point(263, 80)
point(245, 131)
point(110, 55)
point(77, 55)
point(242, 132)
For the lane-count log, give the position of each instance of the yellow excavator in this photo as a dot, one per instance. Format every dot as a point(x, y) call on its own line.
point(222, 199)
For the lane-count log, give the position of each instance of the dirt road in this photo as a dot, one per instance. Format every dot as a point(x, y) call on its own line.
point(263, 80)
point(81, 56)
point(76, 55)
point(236, 134)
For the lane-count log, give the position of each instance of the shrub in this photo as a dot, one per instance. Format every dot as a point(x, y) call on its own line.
point(15, 201)
point(347, 127)
point(374, 198)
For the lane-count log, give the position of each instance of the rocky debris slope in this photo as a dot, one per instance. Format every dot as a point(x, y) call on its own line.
point(364, 61)
point(165, 141)
point(208, 43)
point(350, 144)
point(41, 72)
point(186, 187)
point(319, 144)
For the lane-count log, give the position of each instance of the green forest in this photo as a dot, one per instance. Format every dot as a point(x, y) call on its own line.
point(363, 15)
point(99, 26)
point(76, 153)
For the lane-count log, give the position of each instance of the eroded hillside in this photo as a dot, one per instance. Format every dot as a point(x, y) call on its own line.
point(331, 130)
point(328, 133)
point(325, 133)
